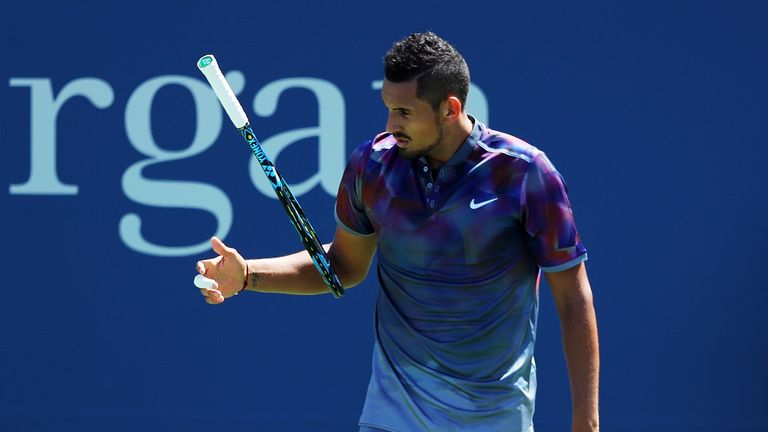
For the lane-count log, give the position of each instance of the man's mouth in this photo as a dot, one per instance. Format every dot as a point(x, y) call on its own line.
point(402, 141)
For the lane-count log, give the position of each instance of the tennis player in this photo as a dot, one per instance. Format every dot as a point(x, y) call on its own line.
point(462, 219)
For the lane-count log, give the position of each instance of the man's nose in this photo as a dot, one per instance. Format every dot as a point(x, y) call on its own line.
point(392, 124)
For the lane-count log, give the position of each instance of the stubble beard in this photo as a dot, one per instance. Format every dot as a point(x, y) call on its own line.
point(415, 154)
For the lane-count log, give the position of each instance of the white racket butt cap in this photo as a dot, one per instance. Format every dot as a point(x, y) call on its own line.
point(203, 282)
point(210, 68)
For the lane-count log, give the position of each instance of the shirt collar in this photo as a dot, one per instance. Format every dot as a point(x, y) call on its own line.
point(467, 146)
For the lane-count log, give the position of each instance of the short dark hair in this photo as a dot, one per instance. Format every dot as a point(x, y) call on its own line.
point(437, 66)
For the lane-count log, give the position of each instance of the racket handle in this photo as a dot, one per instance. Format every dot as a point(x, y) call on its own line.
point(210, 68)
point(203, 282)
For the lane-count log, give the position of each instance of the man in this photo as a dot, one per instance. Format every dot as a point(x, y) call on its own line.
point(462, 219)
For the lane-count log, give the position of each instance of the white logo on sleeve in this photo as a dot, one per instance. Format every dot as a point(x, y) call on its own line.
point(474, 206)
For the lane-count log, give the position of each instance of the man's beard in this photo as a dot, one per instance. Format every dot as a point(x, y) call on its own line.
point(409, 153)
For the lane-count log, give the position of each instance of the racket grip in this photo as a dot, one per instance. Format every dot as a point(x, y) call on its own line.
point(203, 282)
point(210, 68)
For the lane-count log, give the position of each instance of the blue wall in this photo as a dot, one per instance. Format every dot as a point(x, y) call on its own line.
point(654, 112)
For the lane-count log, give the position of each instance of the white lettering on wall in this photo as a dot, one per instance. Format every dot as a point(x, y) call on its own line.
point(330, 132)
point(170, 193)
point(44, 110)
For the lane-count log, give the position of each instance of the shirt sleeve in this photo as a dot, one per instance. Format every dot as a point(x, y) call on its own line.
point(350, 210)
point(548, 219)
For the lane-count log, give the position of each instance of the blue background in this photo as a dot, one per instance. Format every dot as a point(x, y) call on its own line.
point(655, 113)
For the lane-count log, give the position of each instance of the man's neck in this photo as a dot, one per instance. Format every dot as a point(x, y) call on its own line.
point(455, 135)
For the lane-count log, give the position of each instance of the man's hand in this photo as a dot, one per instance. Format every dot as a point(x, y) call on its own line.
point(228, 270)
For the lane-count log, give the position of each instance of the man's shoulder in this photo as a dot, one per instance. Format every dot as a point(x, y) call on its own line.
point(376, 149)
point(493, 141)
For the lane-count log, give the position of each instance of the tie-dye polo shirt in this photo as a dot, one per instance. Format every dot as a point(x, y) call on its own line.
point(458, 256)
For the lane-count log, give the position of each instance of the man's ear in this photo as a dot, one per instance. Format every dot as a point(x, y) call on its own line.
point(452, 109)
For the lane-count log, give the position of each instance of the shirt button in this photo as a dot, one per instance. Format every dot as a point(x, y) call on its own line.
point(431, 203)
point(429, 185)
point(426, 169)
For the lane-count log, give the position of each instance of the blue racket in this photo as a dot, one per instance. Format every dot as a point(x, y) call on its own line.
point(210, 68)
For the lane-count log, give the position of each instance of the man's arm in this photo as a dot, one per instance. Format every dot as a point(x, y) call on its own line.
point(350, 255)
point(573, 297)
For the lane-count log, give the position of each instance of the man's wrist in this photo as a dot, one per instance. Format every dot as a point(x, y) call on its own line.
point(245, 278)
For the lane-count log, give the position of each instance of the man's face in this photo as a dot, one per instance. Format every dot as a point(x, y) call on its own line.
point(412, 121)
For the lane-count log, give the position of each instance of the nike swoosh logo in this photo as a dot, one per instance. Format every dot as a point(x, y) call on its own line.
point(474, 206)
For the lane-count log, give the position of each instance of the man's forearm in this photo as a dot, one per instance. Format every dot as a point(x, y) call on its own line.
point(580, 341)
point(350, 255)
point(291, 274)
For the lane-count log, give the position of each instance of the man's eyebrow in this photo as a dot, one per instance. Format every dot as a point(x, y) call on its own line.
point(401, 109)
point(396, 108)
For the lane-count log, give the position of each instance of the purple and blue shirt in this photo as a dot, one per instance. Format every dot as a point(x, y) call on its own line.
point(459, 250)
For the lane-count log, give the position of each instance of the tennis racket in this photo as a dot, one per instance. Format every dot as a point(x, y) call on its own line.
point(210, 68)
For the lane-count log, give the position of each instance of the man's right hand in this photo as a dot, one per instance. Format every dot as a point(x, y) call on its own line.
point(228, 270)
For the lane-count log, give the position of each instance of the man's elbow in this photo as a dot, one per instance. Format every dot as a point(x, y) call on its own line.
point(350, 275)
point(353, 277)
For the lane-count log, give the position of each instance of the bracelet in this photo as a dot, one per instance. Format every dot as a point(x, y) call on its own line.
point(245, 281)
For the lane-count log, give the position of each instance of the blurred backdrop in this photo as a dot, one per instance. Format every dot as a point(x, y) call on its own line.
point(118, 165)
